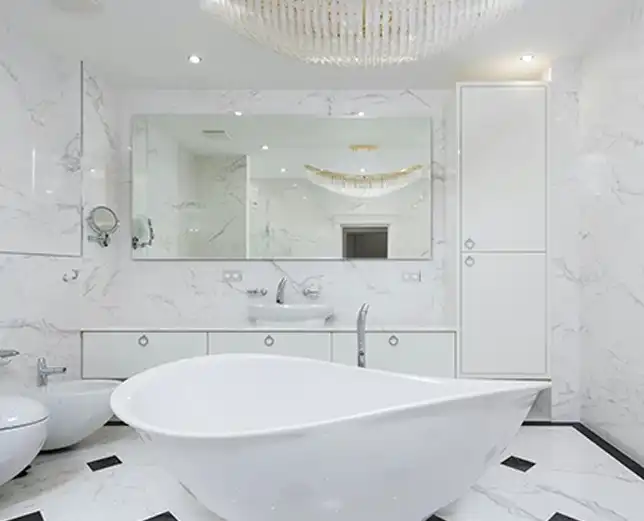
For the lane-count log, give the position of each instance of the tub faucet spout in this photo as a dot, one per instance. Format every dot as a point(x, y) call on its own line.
point(362, 337)
point(44, 371)
point(281, 286)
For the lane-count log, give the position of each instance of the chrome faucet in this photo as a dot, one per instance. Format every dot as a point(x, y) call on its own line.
point(44, 371)
point(362, 339)
point(281, 286)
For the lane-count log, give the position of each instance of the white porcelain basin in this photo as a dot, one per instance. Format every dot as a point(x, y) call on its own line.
point(76, 409)
point(289, 314)
point(23, 428)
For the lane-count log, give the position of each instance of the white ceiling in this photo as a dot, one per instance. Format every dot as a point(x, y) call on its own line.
point(145, 43)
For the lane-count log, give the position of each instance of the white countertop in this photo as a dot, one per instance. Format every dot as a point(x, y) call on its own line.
point(250, 328)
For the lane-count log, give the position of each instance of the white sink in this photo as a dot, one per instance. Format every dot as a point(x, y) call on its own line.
point(289, 315)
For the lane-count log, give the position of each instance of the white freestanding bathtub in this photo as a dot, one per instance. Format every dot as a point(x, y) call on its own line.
point(271, 438)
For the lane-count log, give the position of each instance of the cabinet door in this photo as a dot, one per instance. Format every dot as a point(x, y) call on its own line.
point(503, 159)
point(121, 355)
point(304, 345)
point(503, 315)
point(424, 354)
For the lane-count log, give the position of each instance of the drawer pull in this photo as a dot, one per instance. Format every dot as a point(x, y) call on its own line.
point(269, 341)
point(143, 340)
point(393, 340)
point(469, 244)
point(469, 262)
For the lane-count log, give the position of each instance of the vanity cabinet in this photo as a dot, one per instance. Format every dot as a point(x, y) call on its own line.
point(303, 344)
point(124, 354)
point(417, 353)
point(503, 165)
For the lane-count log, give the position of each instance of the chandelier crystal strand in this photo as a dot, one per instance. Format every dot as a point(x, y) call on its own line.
point(365, 33)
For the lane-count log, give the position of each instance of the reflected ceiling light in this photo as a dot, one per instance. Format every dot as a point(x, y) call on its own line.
point(360, 113)
point(238, 113)
point(527, 58)
point(264, 147)
point(362, 33)
point(194, 59)
point(283, 170)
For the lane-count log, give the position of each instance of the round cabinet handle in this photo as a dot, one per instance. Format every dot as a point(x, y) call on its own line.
point(143, 340)
point(469, 244)
point(393, 340)
point(269, 341)
point(469, 262)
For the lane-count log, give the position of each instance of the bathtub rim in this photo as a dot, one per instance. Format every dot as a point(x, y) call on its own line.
point(119, 399)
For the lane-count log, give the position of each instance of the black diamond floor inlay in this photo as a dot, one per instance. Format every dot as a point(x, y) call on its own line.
point(103, 463)
point(165, 516)
point(522, 465)
point(34, 516)
point(562, 517)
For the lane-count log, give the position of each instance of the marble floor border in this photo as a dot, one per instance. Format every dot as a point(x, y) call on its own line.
point(610, 449)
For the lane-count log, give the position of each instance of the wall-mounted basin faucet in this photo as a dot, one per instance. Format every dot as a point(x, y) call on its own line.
point(281, 286)
point(44, 371)
point(362, 337)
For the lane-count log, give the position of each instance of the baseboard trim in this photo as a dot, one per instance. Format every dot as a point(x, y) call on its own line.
point(611, 450)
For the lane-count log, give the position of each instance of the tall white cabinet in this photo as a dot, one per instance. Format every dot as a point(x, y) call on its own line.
point(503, 163)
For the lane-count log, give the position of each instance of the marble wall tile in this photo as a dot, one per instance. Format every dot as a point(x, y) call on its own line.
point(612, 251)
point(119, 292)
point(40, 179)
point(564, 241)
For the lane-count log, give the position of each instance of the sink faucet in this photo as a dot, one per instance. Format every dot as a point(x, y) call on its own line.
point(44, 372)
point(362, 340)
point(281, 286)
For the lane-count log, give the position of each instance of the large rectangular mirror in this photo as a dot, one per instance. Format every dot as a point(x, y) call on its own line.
point(280, 187)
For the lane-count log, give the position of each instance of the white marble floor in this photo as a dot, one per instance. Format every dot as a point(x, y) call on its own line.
point(571, 476)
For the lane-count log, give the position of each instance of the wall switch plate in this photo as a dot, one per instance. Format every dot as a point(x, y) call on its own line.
point(233, 276)
point(411, 276)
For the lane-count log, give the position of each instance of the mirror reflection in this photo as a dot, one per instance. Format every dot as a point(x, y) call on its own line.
point(274, 187)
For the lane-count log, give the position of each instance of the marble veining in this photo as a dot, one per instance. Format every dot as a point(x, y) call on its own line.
point(40, 179)
point(612, 307)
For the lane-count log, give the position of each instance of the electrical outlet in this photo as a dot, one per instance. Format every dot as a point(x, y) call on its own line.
point(411, 276)
point(233, 276)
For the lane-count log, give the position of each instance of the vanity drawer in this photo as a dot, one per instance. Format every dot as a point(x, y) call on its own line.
point(423, 354)
point(121, 355)
point(303, 345)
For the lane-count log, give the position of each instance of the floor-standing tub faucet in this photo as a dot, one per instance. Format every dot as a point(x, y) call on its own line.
point(44, 371)
point(281, 286)
point(362, 338)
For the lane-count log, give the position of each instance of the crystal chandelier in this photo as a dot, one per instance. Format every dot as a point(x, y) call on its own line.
point(358, 32)
point(364, 176)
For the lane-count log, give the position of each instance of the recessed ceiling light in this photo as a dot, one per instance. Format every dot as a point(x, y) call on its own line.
point(527, 58)
point(363, 170)
point(237, 113)
point(264, 147)
point(194, 59)
point(283, 170)
point(360, 113)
